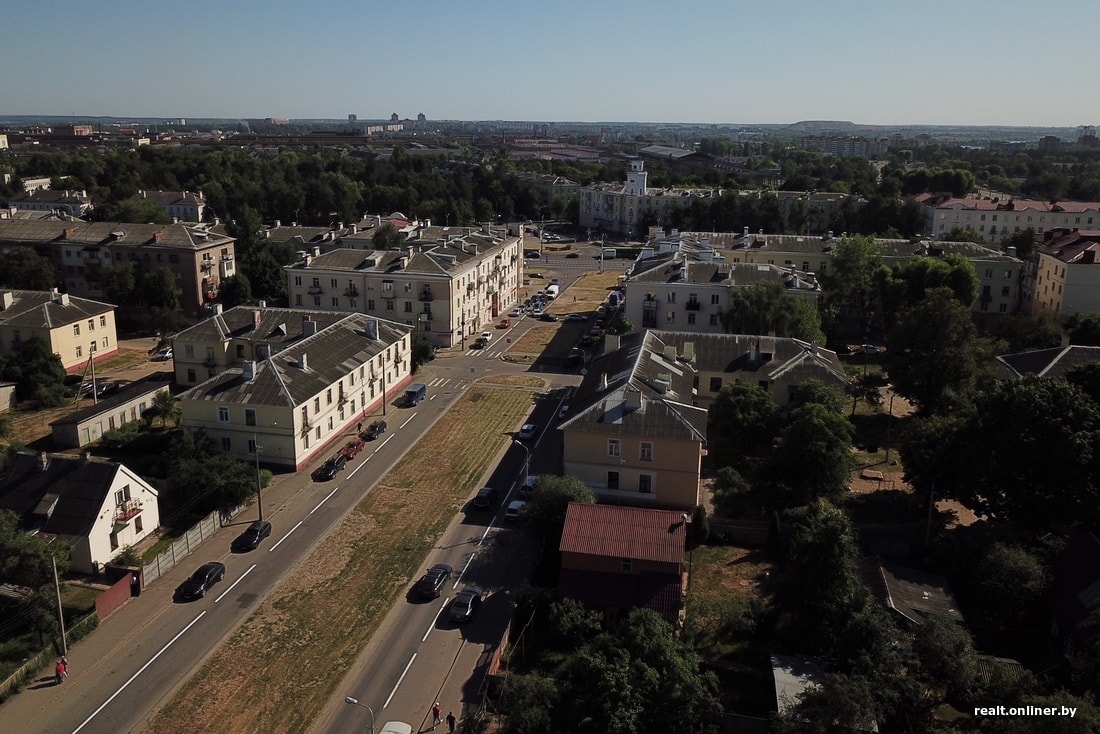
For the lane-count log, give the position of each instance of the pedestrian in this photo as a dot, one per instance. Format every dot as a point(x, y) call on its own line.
point(451, 721)
point(436, 712)
point(359, 427)
point(59, 672)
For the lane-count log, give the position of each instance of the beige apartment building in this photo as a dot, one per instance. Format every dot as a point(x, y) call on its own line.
point(76, 329)
point(1067, 275)
point(996, 219)
point(183, 206)
point(446, 283)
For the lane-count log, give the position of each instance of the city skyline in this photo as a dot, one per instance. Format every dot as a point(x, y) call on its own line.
point(712, 63)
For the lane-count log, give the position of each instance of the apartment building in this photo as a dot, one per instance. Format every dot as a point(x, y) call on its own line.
point(73, 203)
point(996, 219)
point(1067, 275)
point(76, 329)
point(183, 206)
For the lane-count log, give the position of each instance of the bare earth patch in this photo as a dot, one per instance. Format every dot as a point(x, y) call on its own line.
point(277, 671)
point(514, 380)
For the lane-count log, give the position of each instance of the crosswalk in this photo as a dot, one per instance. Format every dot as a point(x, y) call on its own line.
point(449, 382)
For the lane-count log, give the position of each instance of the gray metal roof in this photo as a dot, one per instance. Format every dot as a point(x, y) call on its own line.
point(102, 234)
point(46, 310)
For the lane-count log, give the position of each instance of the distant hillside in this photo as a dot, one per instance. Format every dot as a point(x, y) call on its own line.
point(826, 126)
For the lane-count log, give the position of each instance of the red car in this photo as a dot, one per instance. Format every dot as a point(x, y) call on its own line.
point(504, 324)
point(353, 448)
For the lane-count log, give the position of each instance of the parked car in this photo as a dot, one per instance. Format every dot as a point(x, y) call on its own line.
point(532, 255)
point(528, 487)
point(572, 255)
point(555, 281)
point(251, 537)
point(516, 312)
point(107, 388)
point(465, 604)
point(515, 507)
point(528, 431)
point(375, 430)
point(431, 583)
point(869, 349)
point(163, 355)
point(487, 336)
point(576, 317)
point(332, 467)
point(505, 324)
point(534, 275)
point(537, 312)
point(201, 581)
point(353, 448)
point(485, 499)
point(84, 389)
point(564, 411)
point(547, 316)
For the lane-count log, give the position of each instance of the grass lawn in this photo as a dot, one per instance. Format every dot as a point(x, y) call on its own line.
point(280, 668)
point(725, 581)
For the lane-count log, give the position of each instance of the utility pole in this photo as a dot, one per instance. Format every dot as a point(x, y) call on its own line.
point(257, 448)
point(60, 611)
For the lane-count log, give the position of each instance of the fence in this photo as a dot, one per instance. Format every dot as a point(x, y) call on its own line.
point(186, 544)
point(40, 660)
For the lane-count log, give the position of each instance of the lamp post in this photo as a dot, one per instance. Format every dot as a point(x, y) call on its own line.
point(355, 702)
point(526, 460)
point(687, 539)
point(256, 449)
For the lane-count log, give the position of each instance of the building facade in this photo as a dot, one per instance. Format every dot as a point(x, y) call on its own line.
point(1067, 274)
point(76, 329)
point(183, 206)
point(288, 381)
point(995, 219)
point(73, 203)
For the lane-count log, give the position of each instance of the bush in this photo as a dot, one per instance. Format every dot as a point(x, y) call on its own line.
point(121, 437)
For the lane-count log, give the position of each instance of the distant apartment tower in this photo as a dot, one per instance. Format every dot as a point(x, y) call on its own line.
point(421, 117)
point(353, 118)
point(846, 147)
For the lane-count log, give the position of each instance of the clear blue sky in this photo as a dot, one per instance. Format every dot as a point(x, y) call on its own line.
point(968, 62)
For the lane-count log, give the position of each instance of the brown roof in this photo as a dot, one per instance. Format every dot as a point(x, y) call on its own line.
point(624, 532)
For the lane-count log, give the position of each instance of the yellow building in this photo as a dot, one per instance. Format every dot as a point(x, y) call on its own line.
point(75, 328)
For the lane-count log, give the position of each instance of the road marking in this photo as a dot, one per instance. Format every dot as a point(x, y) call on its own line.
point(384, 443)
point(140, 671)
point(432, 397)
point(326, 498)
point(395, 685)
point(288, 532)
point(361, 465)
point(239, 580)
point(435, 620)
point(403, 425)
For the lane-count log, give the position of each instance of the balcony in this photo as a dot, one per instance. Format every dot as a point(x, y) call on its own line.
point(127, 511)
point(351, 292)
point(206, 265)
point(426, 295)
point(227, 258)
point(316, 290)
point(210, 362)
point(693, 305)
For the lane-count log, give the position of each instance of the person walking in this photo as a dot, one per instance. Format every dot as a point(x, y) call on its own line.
point(436, 712)
point(59, 672)
point(451, 721)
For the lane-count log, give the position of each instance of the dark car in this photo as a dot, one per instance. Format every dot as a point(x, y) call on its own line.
point(83, 390)
point(375, 430)
point(432, 583)
point(250, 538)
point(352, 449)
point(465, 604)
point(485, 499)
point(547, 316)
point(573, 255)
point(201, 581)
point(107, 388)
point(332, 467)
point(479, 343)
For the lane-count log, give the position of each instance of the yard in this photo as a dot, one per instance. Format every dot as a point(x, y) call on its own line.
point(280, 668)
point(728, 587)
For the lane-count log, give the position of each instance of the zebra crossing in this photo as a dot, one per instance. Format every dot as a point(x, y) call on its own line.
point(448, 382)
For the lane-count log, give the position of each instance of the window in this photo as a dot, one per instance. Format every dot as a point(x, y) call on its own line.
point(137, 524)
point(297, 299)
point(76, 329)
point(370, 304)
point(1008, 274)
point(670, 317)
point(191, 376)
point(989, 272)
point(715, 384)
point(223, 414)
point(80, 351)
point(249, 417)
point(252, 446)
point(1005, 290)
point(613, 480)
point(408, 307)
point(627, 565)
point(91, 324)
point(102, 320)
point(189, 351)
point(297, 280)
point(353, 304)
point(105, 342)
point(714, 297)
point(335, 302)
point(762, 384)
point(122, 495)
point(333, 283)
point(387, 286)
point(714, 319)
point(691, 317)
point(645, 451)
point(645, 483)
point(613, 447)
point(1004, 308)
point(672, 297)
point(227, 445)
point(317, 301)
point(240, 351)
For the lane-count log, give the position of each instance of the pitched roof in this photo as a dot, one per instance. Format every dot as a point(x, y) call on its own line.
point(913, 594)
point(1055, 362)
point(150, 385)
point(64, 498)
point(281, 380)
point(171, 198)
point(624, 532)
point(952, 202)
point(54, 196)
point(46, 310)
point(275, 326)
point(102, 234)
point(661, 592)
point(1072, 246)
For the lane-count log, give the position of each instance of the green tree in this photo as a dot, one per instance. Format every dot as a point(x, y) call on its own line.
point(119, 283)
point(765, 308)
point(388, 237)
point(545, 512)
point(963, 234)
point(266, 277)
point(812, 456)
point(1025, 243)
point(730, 491)
point(816, 391)
point(247, 228)
point(743, 419)
point(946, 655)
point(1084, 329)
point(166, 407)
point(25, 559)
point(235, 291)
point(139, 211)
point(36, 370)
point(852, 280)
point(160, 290)
point(21, 267)
point(839, 703)
point(529, 701)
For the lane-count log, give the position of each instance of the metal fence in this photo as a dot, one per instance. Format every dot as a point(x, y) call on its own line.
point(40, 660)
point(186, 544)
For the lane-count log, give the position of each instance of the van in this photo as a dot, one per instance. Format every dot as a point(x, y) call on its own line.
point(415, 393)
point(551, 291)
point(609, 253)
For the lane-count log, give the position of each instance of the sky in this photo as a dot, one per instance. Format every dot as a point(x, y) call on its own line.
point(888, 62)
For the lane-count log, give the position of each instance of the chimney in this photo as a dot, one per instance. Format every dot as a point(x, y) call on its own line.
point(158, 235)
point(307, 259)
point(144, 195)
point(754, 352)
point(317, 251)
point(409, 250)
point(632, 400)
point(43, 460)
point(278, 223)
point(62, 299)
point(1011, 251)
point(377, 220)
point(813, 348)
point(70, 232)
point(370, 329)
point(303, 363)
point(263, 303)
point(354, 228)
point(745, 233)
point(217, 309)
point(256, 319)
point(249, 371)
point(309, 326)
point(404, 262)
point(603, 381)
point(7, 298)
point(340, 226)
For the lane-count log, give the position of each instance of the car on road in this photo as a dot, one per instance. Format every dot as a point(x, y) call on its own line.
point(479, 343)
point(516, 313)
point(576, 317)
point(375, 430)
point(396, 727)
point(528, 431)
point(332, 467)
point(485, 499)
point(869, 349)
point(547, 316)
point(107, 388)
point(201, 581)
point(465, 604)
point(573, 255)
point(534, 275)
point(532, 255)
point(353, 448)
point(555, 281)
point(537, 312)
point(515, 507)
point(528, 487)
point(163, 355)
point(487, 336)
point(84, 389)
point(431, 584)
point(505, 324)
point(251, 537)
point(564, 411)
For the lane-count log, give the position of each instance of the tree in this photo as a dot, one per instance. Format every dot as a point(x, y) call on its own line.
point(933, 352)
point(266, 277)
point(854, 268)
point(388, 237)
point(1084, 329)
point(816, 391)
point(119, 283)
point(812, 456)
point(765, 308)
point(21, 267)
point(235, 291)
point(140, 211)
point(730, 490)
point(160, 290)
point(963, 234)
point(25, 559)
point(201, 479)
point(529, 701)
point(166, 407)
point(247, 227)
point(743, 418)
point(1007, 585)
point(545, 511)
point(921, 274)
point(1024, 242)
point(36, 370)
point(838, 703)
point(946, 655)
point(422, 351)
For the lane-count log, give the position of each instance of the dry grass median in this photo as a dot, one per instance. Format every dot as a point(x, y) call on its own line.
point(276, 673)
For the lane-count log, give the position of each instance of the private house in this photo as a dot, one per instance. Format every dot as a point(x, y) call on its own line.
point(1067, 275)
point(913, 594)
point(996, 219)
point(76, 329)
point(198, 257)
point(615, 559)
point(635, 436)
point(73, 203)
point(182, 206)
point(297, 385)
point(87, 425)
point(1054, 362)
point(446, 283)
point(94, 508)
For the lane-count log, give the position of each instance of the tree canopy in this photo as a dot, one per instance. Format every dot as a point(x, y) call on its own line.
point(21, 267)
point(851, 282)
point(545, 511)
point(767, 308)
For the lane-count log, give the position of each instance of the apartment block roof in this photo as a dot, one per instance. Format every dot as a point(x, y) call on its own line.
point(45, 309)
point(419, 257)
point(51, 196)
point(615, 531)
point(1072, 246)
point(279, 327)
point(109, 234)
point(824, 245)
point(1054, 362)
point(770, 357)
point(172, 198)
point(942, 201)
point(300, 370)
point(684, 268)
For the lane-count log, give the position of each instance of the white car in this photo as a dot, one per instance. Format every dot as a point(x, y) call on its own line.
point(516, 313)
point(528, 431)
point(487, 336)
point(515, 507)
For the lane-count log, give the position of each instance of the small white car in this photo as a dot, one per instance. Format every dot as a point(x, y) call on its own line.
point(528, 431)
point(515, 507)
point(487, 336)
point(516, 313)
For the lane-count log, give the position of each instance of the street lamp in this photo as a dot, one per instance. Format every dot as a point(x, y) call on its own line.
point(256, 449)
point(355, 702)
point(527, 459)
